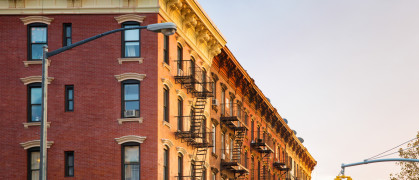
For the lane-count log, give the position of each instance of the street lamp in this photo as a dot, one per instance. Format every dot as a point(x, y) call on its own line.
point(165, 28)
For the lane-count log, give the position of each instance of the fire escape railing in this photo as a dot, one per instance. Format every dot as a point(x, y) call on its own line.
point(196, 82)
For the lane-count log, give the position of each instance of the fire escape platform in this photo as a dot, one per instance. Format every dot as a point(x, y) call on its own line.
point(281, 166)
point(262, 147)
point(232, 123)
point(234, 166)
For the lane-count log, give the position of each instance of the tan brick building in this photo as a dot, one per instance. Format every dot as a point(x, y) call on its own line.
point(136, 104)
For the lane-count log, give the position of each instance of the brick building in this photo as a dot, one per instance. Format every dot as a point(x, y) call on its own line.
point(136, 104)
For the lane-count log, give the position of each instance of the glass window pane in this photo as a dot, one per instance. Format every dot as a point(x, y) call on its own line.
point(35, 175)
point(132, 105)
point(36, 112)
point(132, 35)
point(38, 35)
point(68, 41)
point(70, 160)
point(132, 49)
point(132, 172)
point(70, 94)
point(70, 105)
point(131, 91)
point(68, 30)
point(36, 95)
point(70, 171)
point(35, 159)
point(37, 51)
point(132, 154)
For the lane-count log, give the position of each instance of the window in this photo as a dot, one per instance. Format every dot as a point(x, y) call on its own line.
point(130, 98)
point(166, 49)
point(193, 172)
point(252, 164)
point(67, 32)
point(33, 163)
point(180, 166)
point(131, 161)
point(192, 68)
point(231, 149)
point(214, 176)
point(246, 159)
point(258, 170)
point(131, 40)
point(258, 133)
point(37, 38)
point(69, 98)
point(69, 163)
point(214, 90)
point(222, 146)
point(223, 93)
point(180, 59)
point(231, 106)
point(166, 104)
point(204, 80)
point(34, 102)
point(213, 138)
point(166, 163)
point(252, 129)
point(246, 119)
point(204, 174)
point(180, 114)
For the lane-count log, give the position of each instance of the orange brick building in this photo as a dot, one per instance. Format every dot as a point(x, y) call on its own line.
point(136, 104)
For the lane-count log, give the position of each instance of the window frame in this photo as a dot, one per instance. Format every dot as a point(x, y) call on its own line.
point(123, 83)
point(166, 104)
point(214, 135)
point(29, 162)
point(166, 163)
point(130, 23)
point(30, 26)
point(123, 158)
point(180, 114)
point(67, 98)
point(180, 166)
point(166, 48)
point(65, 37)
point(67, 166)
point(179, 58)
point(29, 102)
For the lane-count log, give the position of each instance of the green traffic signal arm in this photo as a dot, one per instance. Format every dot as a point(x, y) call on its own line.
point(375, 161)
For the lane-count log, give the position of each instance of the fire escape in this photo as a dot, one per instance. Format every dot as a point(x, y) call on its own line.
point(194, 80)
point(281, 166)
point(262, 146)
point(231, 116)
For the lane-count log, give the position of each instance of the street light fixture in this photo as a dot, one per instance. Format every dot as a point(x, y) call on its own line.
point(165, 28)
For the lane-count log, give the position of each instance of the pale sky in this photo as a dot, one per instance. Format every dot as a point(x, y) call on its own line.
point(345, 73)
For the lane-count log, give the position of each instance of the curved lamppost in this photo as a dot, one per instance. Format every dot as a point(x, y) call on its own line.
point(164, 28)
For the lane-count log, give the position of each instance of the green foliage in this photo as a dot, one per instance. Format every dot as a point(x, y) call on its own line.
point(409, 170)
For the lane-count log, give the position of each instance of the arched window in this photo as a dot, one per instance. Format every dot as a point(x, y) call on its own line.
point(130, 99)
point(131, 40)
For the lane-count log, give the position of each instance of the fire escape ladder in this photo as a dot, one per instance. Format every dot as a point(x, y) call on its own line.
point(194, 80)
point(265, 166)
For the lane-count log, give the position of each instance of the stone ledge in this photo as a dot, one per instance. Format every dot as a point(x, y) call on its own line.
point(27, 63)
point(139, 60)
point(122, 120)
point(26, 125)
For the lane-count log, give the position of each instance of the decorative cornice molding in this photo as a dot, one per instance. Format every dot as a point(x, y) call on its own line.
point(181, 94)
point(130, 138)
point(182, 151)
point(34, 79)
point(35, 143)
point(36, 19)
point(129, 17)
point(167, 82)
point(126, 76)
point(167, 142)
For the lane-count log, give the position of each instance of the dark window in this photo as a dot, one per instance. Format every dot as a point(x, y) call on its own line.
point(37, 38)
point(67, 31)
point(245, 159)
point(33, 163)
point(180, 166)
point(192, 70)
point(258, 133)
point(223, 105)
point(214, 90)
point(131, 161)
point(166, 164)
point(252, 129)
point(204, 80)
point(166, 104)
point(213, 138)
point(69, 98)
point(204, 174)
point(179, 59)
point(69, 163)
point(166, 49)
point(34, 102)
point(180, 114)
point(131, 40)
point(193, 172)
point(131, 98)
point(258, 170)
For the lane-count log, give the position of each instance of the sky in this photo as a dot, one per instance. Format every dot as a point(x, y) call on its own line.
point(345, 73)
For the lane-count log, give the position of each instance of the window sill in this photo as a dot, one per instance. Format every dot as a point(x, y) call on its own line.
point(35, 62)
point(26, 125)
point(122, 120)
point(167, 124)
point(166, 66)
point(139, 60)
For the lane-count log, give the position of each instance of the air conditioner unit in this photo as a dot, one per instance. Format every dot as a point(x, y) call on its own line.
point(131, 113)
point(180, 72)
point(215, 102)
